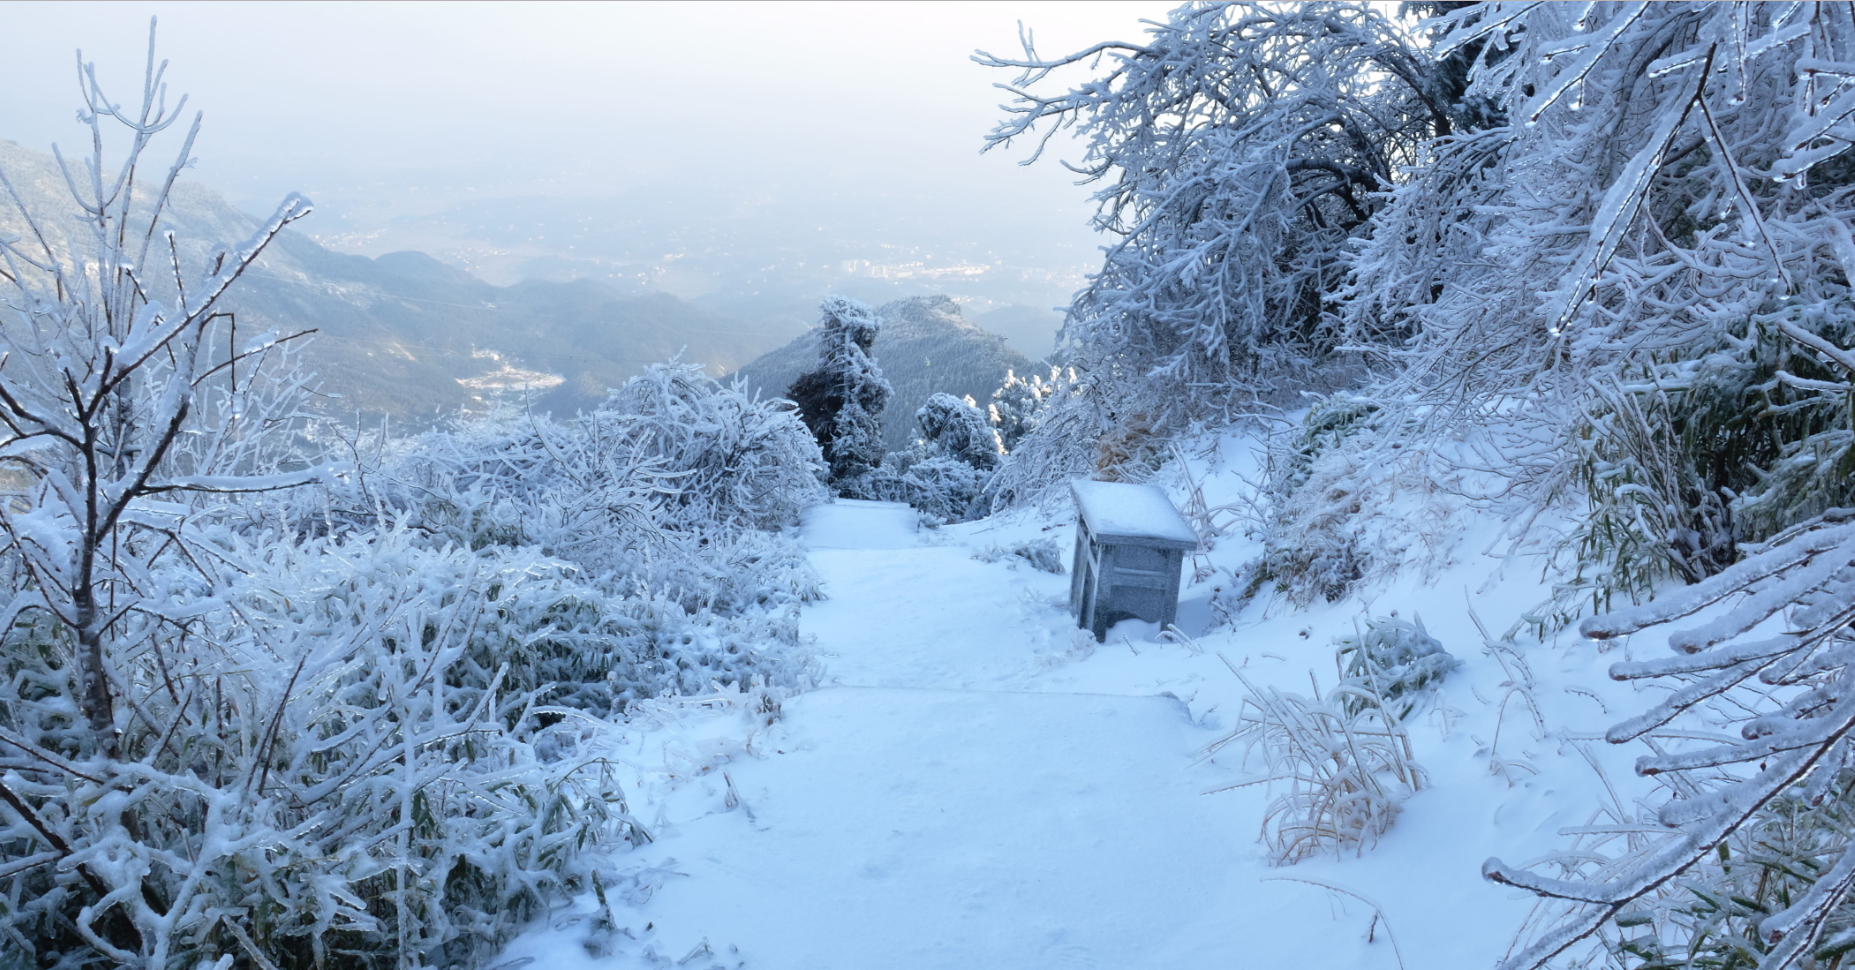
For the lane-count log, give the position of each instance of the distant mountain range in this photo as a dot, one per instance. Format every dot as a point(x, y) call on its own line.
point(925, 347)
point(406, 336)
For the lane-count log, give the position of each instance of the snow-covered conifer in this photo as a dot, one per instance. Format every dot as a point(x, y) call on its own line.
point(842, 400)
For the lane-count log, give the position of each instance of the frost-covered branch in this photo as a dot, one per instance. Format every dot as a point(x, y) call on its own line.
point(1800, 684)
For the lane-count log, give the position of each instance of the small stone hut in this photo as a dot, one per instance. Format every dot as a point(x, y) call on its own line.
point(1130, 550)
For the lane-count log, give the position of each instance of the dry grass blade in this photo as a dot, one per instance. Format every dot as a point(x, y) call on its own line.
point(1378, 912)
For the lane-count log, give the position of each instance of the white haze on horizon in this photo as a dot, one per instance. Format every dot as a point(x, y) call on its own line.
point(386, 113)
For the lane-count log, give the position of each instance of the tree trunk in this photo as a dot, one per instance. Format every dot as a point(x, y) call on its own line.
point(97, 704)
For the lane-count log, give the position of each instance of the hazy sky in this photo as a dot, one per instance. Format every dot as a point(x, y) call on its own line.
point(419, 104)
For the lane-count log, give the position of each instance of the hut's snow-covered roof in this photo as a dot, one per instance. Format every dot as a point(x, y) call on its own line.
point(1139, 514)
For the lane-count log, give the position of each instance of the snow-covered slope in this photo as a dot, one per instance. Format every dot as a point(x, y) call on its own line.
point(982, 785)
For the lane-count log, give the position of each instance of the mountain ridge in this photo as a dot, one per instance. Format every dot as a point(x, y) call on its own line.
point(404, 335)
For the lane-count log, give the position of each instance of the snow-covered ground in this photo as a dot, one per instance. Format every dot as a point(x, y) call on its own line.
point(981, 785)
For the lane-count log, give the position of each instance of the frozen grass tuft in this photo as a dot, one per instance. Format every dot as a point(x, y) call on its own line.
point(1396, 661)
point(1043, 554)
point(1344, 763)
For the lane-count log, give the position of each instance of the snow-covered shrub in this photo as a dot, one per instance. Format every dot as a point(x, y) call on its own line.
point(1317, 496)
point(605, 492)
point(750, 572)
point(1814, 468)
point(670, 450)
point(514, 479)
point(1324, 559)
point(1043, 554)
point(735, 462)
point(1041, 465)
point(943, 488)
point(266, 711)
point(1328, 424)
point(945, 472)
point(1395, 661)
point(1653, 512)
point(315, 764)
point(956, 428)
point(1131, 449)
point(595, 643)
point(1778, 661)
point(928, 347)
point(1544, 309)
point(1682, 459)
point(841, 401)
point(643, 598)
point(1345, 768)
point(1778, 658)
point(1775, 860)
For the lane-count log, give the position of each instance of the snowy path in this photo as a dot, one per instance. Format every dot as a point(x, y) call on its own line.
point(903, 613)
point(922, 829)
point(910, 824)
point(969, 790)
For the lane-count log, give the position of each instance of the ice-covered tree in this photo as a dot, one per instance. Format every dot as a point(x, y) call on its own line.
point(1019, 402)
point(842, 400)
point(1611, 242)
point(115, 407)
point(1614, 268)
point(1242, 149)
point(1650, 265)
point(1654, 150)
